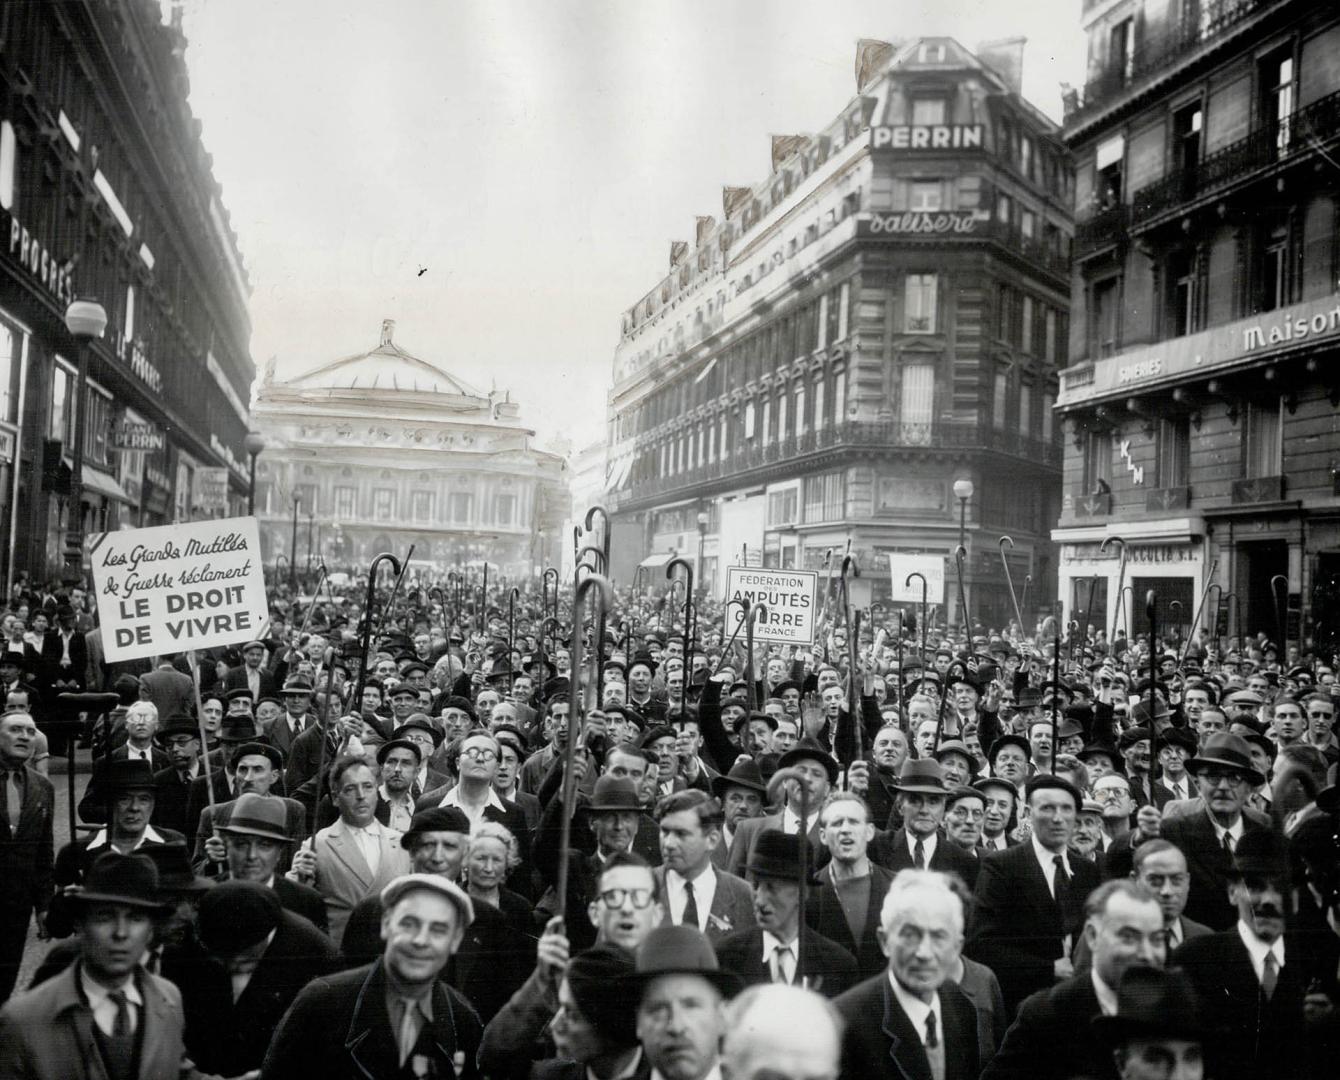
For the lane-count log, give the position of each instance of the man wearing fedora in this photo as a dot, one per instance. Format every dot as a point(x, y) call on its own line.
point(818, 771)
point(394, 1017)
point(26, 843)
point(104, 1016)
point(258, 848)
point(779, 949)
point(919, 844)
point(1030, 897)
point(1225, 776)
point(256, 957)
point(1257, 974)
point(680, 991)
point(910, 1020)
point(741, 793)
point(256, 766)
point(1159, 1028)
point(297, 697)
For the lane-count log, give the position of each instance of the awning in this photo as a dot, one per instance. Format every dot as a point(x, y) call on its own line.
point(100, 482)
point(653, 561)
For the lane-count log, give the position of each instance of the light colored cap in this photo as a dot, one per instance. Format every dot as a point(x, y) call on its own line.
point(407, 883)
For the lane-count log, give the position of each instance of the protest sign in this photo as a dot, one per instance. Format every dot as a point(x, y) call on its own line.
point(173, 588)
point(931, 567)
point(211, 491)
point(790, 597)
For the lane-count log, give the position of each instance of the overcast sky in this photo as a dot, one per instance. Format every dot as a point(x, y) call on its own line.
point(504, 177)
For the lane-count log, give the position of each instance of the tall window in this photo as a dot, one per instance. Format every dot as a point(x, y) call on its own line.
point(767, 421)
point(1280, 88)
point(97, 426)
point(782, 507)
point(1025, 409)
point(839, 395)
point(725, 436)
point(346, 499)
point(929, 111)
point(1004, 209)
point(1000, 392)
point(1187, 123)
point(1048, 404)
point(800, 408)
point(11, 363)
point(1174, 449)
point(818, 404)
point(1028, 224)
point(1185, 302)
point(62, 404)
point(825, 496)
point(1026, 156)
point(1121, 49)
point(504, 510)
point(1103, 315)
point(1026, 325)
point(421, 505)
point(916, 403)
point(1274, 291)
point(1097, 462)
point(383, 504)
point(822, 341)
point(1262, 452)
point(1049, 343)
point(748, 419)
point(460, 504)
point(844, 297)
point(926, 195)
point(781, 416)
point(919, 304)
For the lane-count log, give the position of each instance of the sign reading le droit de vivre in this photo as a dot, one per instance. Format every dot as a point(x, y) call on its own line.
point(931, 567)
point(178, 587)
point(789, 596)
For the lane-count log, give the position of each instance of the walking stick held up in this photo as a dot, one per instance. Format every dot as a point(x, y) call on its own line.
point(796, 777)
point(604, 600)
point(688, 605)
point(369, 604)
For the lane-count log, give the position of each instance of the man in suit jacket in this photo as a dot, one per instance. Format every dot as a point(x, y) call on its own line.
point(63, 660)
point(67, 1027)
point(141, 724)
point(909, 1022)
point(179, 738)
point(244, 929)
point(297, 718)
point(1255, 976)
point(741, 793)
point(1030, 898)
point(779, 949)
point(920, 844)
point(692, 889)
point(256, 768)
point(845, 907)
point(357, 1005)
point(1225, 776)
point(820, 771)
point(258, 844)
point(26, 844)
point(252, 673)
point(357, 856)
point(1051, 1038)
point(170, 692)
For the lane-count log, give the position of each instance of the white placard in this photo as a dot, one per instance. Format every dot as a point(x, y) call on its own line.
point(173, 588)
point(931, 567)
point(790, 597)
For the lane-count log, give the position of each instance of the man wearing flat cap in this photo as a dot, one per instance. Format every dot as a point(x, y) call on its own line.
point(394, 1017)
point(1030, 897)
point(257, 957)
point(1225, 777)
point(104, 1015)
point(779, 949)
point(251, 674)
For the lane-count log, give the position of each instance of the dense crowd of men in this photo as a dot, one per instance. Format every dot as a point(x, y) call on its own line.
point(1000, 855)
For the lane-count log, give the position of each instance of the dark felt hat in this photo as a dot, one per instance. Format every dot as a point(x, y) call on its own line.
point(743, 774)
point(258, 815)
point(1227, 750)
point(239, 728)
point(679, 950)
point(921, 776)
point(126, 774)
point(1153, 1003)
point(435, 819)
point(809, 750)
point(613, 793)
point(173, 863)
point(597, 979)
point(234, 915)
point(775, 854)
point(1263, 853)
point(131, 880)
point(177, 725)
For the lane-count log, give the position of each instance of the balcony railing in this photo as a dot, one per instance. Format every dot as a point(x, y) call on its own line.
point(1278, 141)
point(890, 434)
point(1093, 503)
point(1098, 230)
point(1168, 498)
point(1200, 25)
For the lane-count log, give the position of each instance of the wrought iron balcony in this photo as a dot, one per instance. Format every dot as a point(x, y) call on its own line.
point(890, 435)
point(1291, 138)
point(1200, 25)
point(1105, 227)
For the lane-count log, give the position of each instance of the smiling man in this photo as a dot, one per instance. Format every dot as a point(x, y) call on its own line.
point(396, 1016)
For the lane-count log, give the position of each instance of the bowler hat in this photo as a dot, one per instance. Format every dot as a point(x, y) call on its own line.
point(434, 819)
point(1152, 1003)
point(680, 950)
point(613, 793)
point(114, 878)
point(126, 774)
point(1230, 751)
point(239, 728)
point(234, 915)
point(177, 725)
point(921, 776)
point(258, 815)
point(775, 854)
point(743, 774)
point(809, 750)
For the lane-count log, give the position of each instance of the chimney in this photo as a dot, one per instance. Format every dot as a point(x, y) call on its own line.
point(388, 330)
point(1006, 59)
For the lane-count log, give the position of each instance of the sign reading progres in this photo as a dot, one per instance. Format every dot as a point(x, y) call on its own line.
point(788, 595)
point(931, 567)
point(177, 587)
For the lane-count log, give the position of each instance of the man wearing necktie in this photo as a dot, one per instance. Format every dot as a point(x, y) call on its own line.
point(26, 845)
point(695, 892)
point(911, 1020)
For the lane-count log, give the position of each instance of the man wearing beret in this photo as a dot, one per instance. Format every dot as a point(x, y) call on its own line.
point(1030, 898)
point(394, 1017)
point(257, 957)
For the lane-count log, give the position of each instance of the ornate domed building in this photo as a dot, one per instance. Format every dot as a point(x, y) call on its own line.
point(383, 449)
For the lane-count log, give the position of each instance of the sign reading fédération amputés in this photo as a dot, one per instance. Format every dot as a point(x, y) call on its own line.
point(789, 597)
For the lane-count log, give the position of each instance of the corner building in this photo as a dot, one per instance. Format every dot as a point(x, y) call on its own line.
point(1200, 401)
point(882, 316)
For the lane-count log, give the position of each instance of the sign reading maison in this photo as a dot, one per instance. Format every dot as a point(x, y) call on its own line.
point(927, 137)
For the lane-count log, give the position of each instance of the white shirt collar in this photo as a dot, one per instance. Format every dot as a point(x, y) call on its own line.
point(917, 1010)
point(452, 798)
point(1045, 858)
point(714, 1073)
point(771, 942)
point(1235, 830)
point(791, 821)
point(150, 833)
point(96, 993)
point(1107, 997)
point(928, 845)
point(1257, 949)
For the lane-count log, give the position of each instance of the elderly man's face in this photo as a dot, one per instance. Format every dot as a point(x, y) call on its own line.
point(439, 852)
point(741, 803)
point(925, 738)
point(252, 858)
point(889, 749)
point(141, 724)
point(1011, 764)
point(1114, 795)
point(922, 937)
point(255, 774)
point(963, 821)
point(1088, 833)
point(1224, 790)
point(131, 811)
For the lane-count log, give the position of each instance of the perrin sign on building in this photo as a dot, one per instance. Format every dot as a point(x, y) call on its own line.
point(926, 137)
point(788, 597)
point(174, 588)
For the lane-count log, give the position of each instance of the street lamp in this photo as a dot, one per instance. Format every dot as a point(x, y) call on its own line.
point(86, 320)
point(963, 490)
point(703, 519)
point(293, 545)
point(255, 443)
